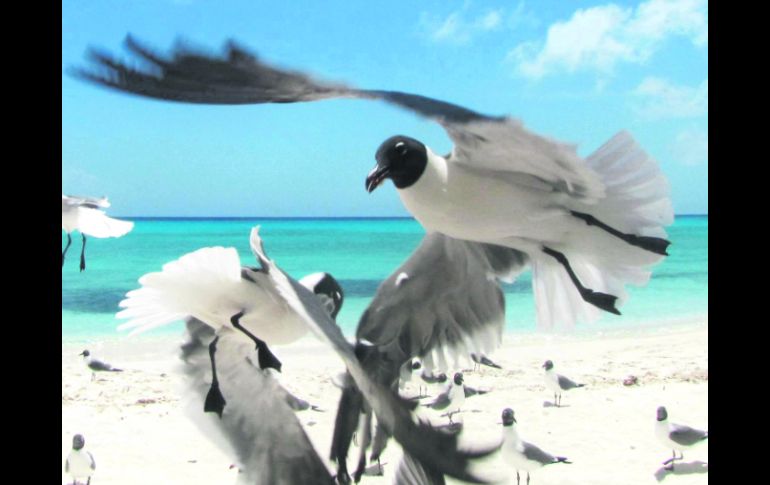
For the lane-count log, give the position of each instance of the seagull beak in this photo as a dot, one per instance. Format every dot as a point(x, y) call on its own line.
point(376, 177)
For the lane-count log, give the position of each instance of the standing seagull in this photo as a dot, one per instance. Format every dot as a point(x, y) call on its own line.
point(481, 359)
point(209, 284)
point(519, 453)
point(588, 226)
point(80, 463)
point(97, 365)
point(557, 382)
point(452, 399)
point(676, 436)
point(85, 215)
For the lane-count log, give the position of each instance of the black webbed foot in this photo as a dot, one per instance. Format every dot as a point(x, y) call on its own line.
point(215, 401)
point(265, 358)
point(601, 300)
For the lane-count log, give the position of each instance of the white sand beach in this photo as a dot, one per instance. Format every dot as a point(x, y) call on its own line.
point(135, 426)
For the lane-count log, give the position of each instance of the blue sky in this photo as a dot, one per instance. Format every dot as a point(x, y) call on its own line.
point(578, 71)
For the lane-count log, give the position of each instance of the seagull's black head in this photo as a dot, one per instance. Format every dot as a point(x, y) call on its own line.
point(85, 353)
point(442, 378)
point(548, 365)
point(78, 442)
point(399, 158)
point(662, 414)
point(508, 418)
point(416, 365)
point(325, 286)
point(458, 379)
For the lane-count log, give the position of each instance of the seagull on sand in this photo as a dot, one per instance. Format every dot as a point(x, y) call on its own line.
point(97, 365)
point(80, 463)
point(676, 437)
point(557, 382)
point(452, 399)
point(521, 454)
point(587, 226)
point(211, 285)
point(481, 359)
point(85, 214)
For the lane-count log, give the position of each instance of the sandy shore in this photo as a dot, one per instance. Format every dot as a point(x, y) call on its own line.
point(134, 425)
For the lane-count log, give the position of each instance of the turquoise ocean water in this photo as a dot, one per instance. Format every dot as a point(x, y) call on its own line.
point(360, 253)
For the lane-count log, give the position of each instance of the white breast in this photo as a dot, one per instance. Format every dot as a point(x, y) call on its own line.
point(552, 381)
point(79, 464)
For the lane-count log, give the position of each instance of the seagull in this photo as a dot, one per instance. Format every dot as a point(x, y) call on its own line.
point(85, 214)
point(97, 365)
point(317, 307)
point(588, 226)
point(442, 304)
point(211, 285)
point(480, 359)
point(676, 436)
point(80, 463)
point(521, 454)
point(434, 380)
point(452, 399)
point(557, 382)
point(260, 430)
point(409, 370)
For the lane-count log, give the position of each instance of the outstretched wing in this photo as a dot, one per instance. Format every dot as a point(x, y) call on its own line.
point(434, 449)
point(239, 77)
point(258, 427)
point(443, 303)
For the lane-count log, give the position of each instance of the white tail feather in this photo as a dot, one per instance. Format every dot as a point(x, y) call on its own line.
point(181, 289)
point(95, 223)
point(636, 202)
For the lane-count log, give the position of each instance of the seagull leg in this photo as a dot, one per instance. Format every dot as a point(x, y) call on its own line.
point(69, 241)
point(600, 300)
point(266, 358)
point(83, 254)
point(517, 477)
point(653, 244)
point(527, 478)
point(215, 401)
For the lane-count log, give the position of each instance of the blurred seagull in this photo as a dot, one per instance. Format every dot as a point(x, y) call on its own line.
point(441, 305)
point(557, 382)
point(588, 226)
point(211, 285)
point(521, 454)
point(85, 214)
point(409, 371)
point(80, 463)
point(97, 365)
point(676, 436)
point(316, 307)
point(480, 359)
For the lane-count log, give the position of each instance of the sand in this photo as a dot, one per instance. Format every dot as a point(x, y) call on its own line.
point(135, 427)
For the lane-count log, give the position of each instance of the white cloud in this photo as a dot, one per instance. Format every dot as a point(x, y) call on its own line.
point(601, 37)
point(461, 26)
point(691, 147)
point(659, 99)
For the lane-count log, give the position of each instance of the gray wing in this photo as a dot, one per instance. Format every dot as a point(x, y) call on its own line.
point(470, 391)
point(67, 465)
point(685, 435)
point(258, 427)
point(93, 462)
point(238, 77)
point(566, 383)
point(99, 365)
point(532, 452)
point(442, 400)
point(433, 448)
point(444, 302)
point(91, 202)
point(412, 472)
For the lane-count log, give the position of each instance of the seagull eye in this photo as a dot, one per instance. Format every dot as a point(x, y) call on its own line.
point(401, 148)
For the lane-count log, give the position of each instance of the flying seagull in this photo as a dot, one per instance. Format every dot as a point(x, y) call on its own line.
point(441, 305)
point(80, 464)
point(557, 382)
point(85, 214)
point(316, 307)
point(97, 365)
point(260, 430)
point(521, 454)
point(211, 285)
point(588, 226)
point(676, 436)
